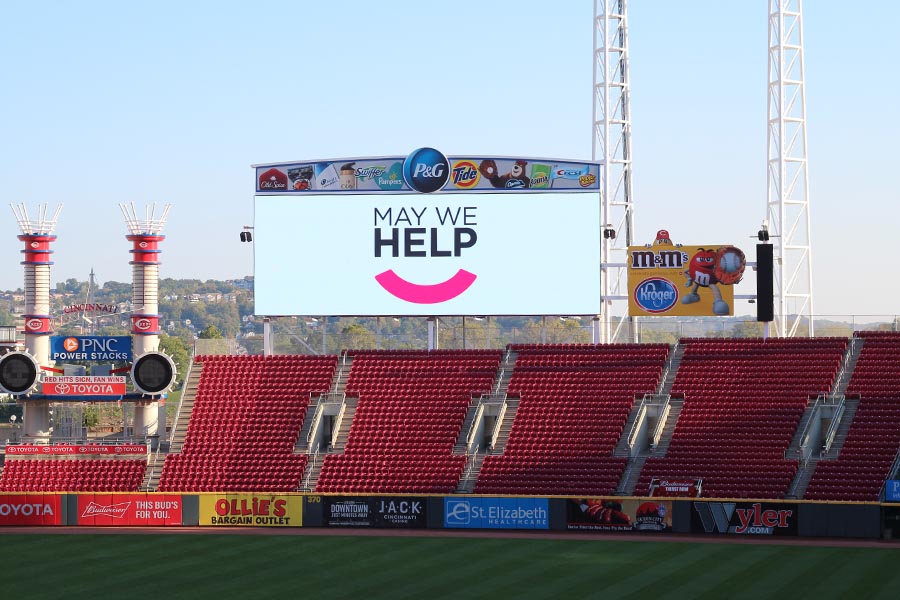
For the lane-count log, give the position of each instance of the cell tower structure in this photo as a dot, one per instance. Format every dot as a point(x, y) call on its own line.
point(787, 210)
point(145, 236)
point(612, 147)
point(37, 234)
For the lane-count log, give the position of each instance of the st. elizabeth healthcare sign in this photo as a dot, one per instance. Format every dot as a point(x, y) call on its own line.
point(428, 235)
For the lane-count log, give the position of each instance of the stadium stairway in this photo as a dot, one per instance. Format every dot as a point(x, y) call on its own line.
point(186, 407)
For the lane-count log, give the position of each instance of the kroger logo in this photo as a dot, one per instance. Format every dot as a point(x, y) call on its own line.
point(656, 295)
point(426, 170)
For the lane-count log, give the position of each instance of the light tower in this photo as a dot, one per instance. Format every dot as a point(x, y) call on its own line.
point(787, 206)
point(145, 236)
point(612, 147)
point(37, 234)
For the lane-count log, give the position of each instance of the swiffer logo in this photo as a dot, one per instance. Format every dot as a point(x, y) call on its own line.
point(656, 295)
point(426, 170)
point(433, 232)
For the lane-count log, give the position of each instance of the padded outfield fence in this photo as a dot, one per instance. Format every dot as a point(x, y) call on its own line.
point(620, 515)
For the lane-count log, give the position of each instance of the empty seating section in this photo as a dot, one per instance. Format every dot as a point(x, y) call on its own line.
point(410, 412)
point(871, 445)
point(245, 421)
point(72, 475)
point(743, 399)
point(574, 401)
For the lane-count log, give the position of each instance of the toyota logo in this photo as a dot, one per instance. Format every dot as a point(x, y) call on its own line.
point(62, 388)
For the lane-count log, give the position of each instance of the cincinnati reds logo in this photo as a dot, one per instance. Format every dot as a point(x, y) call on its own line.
point(142, 245)
point(34, 325)
point(70, 344)
point(143, 324)
point(34, 244)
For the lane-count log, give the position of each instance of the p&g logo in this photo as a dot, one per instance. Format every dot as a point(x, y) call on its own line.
point(426, 170)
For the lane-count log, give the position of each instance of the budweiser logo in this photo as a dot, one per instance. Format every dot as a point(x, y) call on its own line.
point(106, 510)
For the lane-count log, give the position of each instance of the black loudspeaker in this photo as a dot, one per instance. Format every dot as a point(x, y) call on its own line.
point(765, 283)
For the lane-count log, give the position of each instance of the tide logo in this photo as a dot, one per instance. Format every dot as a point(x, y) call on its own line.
point(426, 170)
point(465, 175)
point(70, 344)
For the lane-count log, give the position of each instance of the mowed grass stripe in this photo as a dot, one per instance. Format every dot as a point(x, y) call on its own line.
point(216, 566)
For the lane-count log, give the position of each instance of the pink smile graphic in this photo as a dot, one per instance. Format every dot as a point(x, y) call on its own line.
point(425, 294)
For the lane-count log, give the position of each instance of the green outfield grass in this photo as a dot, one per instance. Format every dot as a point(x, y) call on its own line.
point(259, 566)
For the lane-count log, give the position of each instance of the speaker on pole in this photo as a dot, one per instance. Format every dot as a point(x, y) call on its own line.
point(765, 283)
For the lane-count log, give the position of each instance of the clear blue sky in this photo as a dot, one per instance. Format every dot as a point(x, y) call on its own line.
point(170, 102)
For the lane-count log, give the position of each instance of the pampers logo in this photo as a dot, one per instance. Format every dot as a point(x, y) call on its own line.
point(656, 295)
point(426, 170)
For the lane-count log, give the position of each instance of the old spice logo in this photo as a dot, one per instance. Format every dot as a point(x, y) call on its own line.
point(116, 511)
point(273, 179)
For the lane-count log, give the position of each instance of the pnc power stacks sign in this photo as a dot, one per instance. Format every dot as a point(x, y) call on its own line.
point(672, 280)
point(427, 235)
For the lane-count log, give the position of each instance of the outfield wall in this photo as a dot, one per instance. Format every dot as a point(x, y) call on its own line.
point(411, 511)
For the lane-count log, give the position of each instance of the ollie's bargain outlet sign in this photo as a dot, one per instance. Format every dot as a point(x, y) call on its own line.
point(83, 386)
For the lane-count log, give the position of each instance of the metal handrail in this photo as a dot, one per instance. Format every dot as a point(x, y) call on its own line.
point(804, 435)
point(315, 458)
point(317, 419)
point(632, 435)
point(661, 422)
point(337, 424)
point(187, 379)
point(835, 424)
point(479, 412)
point(496, 433)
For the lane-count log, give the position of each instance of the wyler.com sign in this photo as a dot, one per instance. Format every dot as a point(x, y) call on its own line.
point(384, 512)
point(91, 348)
point(744, 518)
point(251, 510)
point(668, 280)
point(510, 240)
point(496, 513)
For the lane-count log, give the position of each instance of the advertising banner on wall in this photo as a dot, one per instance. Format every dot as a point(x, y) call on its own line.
point(615, 514)
point(30, 509)
point(91, 348)
point(892, 490)
point(744, 518)
point(251, 510)
point(64, 449)
point(671, 280)
point(129, 510)
point(380, 512)
point(83, 385)
point(496, 513)
point(452, 174)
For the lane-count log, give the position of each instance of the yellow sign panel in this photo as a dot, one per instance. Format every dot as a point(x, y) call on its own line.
point(251, 510)
point(668, 280)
